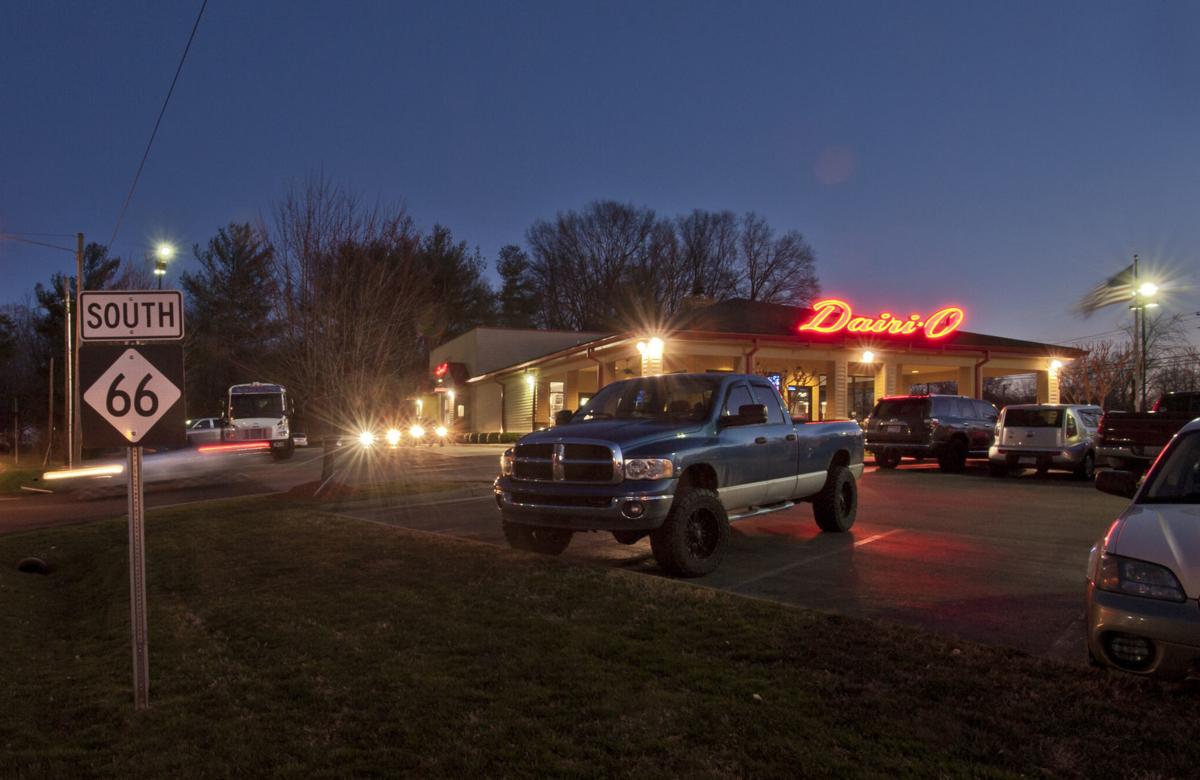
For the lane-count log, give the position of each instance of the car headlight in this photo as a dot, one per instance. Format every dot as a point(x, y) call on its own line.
point(366, 438)
point(441, 431)
point(1138, 578)
point(393, 437)
point(416, 431)
point(649, 468)
point(506, 463)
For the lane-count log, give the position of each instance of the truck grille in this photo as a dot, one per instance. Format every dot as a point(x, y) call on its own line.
point(251, 434)
point(566, 462)
point(540, 499)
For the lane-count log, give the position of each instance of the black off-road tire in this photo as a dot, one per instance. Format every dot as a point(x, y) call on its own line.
point(887, 460)
point(954, 459)
point(536, 538)
point(691, 542)
point(836, 506)
point(1087, 467)
point(284, 453)
point(999, 469)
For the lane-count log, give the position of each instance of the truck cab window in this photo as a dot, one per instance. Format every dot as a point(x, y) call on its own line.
point(769, 397)
point(739, 396)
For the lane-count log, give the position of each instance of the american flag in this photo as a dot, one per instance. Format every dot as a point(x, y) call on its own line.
point(1117, 288)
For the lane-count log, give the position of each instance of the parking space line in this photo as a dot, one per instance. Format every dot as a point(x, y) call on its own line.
point(811, 559)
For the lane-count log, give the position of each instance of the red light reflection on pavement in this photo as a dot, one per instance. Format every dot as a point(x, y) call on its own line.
point(245, 446)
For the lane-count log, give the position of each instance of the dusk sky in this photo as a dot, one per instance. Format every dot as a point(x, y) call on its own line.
point(1002, 156)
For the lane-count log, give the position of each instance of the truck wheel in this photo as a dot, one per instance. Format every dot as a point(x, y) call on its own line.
point(887, 460)
point(998, 469)
point(954, 459)
point(836, 506)
point(533, 538)
point(1087, 467)
point(691, 542)
point(283, 453)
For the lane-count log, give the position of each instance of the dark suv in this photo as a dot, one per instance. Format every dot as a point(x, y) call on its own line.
point(950, 428)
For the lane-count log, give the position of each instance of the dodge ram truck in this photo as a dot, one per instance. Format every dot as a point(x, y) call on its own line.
point(676, 457)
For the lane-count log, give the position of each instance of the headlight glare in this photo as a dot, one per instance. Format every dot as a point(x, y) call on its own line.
point(416, 431)
point(366, 438)
point(1138, 578)
point(393, 437)
point(441, 431)
point(649, 468)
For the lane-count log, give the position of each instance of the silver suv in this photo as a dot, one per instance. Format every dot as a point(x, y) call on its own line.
point(1046, 436)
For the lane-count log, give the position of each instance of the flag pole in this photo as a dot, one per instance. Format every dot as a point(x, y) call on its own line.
point(1139, 345)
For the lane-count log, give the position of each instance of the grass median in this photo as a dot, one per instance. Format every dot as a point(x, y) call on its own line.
point(285, 640)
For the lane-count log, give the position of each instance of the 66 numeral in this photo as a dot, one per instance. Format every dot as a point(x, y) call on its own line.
point(144, 401)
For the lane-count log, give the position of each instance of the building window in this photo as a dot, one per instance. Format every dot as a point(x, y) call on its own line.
point(557, 398)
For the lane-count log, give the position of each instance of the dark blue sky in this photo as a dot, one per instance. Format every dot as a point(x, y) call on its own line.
point(1005, 156)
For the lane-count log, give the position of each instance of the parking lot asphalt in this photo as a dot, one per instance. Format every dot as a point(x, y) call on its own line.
point(999, 561)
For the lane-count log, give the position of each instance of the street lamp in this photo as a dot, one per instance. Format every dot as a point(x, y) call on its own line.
point(162, 253)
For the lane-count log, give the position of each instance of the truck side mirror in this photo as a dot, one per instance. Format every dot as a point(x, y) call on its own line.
point(748, 414)
point(1117, 483)
point(563, 416)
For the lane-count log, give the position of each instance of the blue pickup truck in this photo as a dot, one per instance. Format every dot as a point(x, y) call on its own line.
point(676, 458)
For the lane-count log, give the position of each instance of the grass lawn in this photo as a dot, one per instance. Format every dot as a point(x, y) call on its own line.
point(287, 641)
point(12, 477)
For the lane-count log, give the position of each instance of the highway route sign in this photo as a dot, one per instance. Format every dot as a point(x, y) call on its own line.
point(130, 315)
point(132, 395)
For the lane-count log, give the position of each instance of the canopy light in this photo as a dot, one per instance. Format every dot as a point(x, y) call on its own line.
point(652, 349)
point(868, 356)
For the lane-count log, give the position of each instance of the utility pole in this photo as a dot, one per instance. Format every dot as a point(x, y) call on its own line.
point(69, 389)
point(1139, 402)
point(50, 421)
point(76, 429)
point(16, 434)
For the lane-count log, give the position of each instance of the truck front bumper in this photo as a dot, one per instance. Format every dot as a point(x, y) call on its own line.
point(629, 506)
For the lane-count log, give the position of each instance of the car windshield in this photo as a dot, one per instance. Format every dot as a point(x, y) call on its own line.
point(1176, 479)
point(1033, 418)
point(653, 398)
point(267, 405)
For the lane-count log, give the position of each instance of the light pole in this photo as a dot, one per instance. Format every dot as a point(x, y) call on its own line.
point(162, 253)
point(1143, 299)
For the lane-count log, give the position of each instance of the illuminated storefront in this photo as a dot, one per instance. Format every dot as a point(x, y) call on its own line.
point(829, 361)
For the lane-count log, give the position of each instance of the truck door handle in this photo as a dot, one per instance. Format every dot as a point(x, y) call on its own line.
point(761, 440)
point(790, 437)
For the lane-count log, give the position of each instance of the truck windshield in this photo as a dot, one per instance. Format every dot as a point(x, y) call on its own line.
point(685, 398)
point(244, 406)
point(1176, 480)
point(1033, 418)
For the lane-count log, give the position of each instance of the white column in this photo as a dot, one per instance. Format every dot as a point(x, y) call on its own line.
point(839, 407)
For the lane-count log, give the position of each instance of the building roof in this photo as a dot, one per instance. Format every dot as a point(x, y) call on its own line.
point(779, 323)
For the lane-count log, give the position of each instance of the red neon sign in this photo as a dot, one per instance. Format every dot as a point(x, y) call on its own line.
point(834, 316)
point(441, 370)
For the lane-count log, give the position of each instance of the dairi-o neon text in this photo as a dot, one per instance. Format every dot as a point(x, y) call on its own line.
point(834, 316)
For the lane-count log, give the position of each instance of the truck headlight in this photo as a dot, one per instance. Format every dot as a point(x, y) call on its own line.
point(393, 437)
point(649, 468)
point(441, 431)
point(416, 431)
point(506, 463)
point(1138, 578)
point(366, 438)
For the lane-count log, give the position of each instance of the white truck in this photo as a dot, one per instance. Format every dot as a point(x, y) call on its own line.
point(259, 412)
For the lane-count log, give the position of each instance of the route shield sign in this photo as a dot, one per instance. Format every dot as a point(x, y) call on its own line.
point(132, 395)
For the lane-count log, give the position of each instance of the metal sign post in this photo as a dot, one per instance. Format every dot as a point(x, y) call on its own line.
point(133, 397)
point(137, 582)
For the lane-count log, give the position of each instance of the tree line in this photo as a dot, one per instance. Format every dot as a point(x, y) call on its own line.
point(341, 299)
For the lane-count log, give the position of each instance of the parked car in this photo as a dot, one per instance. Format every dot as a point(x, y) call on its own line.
point(299, 439)
point(676, 458)
point(205, 430)
point(1131, 441)
point(1046, 436)
point(1144, 574)
point(950, 428)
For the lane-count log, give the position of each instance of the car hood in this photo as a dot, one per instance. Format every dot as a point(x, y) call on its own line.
point(627, 434)
point(1166, 534)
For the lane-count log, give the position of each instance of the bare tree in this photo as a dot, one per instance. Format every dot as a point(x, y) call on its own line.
point(1100, 377)
point(350, 290)
point(775, 269)
point(707, 247)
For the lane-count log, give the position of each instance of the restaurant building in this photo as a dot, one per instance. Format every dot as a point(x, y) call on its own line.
point(829, 361)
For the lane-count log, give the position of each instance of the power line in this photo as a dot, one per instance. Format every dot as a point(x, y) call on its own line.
point(157, 122)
